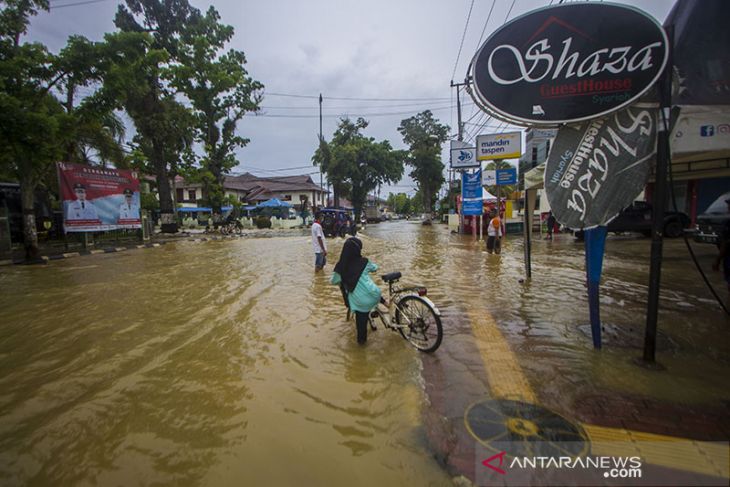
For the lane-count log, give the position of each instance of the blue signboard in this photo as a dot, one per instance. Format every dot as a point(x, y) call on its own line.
point(471, 193)
point(507, 176)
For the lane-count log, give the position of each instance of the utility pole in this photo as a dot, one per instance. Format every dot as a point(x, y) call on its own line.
point(321, 182)
point(460, 127)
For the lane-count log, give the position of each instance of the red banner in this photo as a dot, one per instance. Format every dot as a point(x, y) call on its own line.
point(97, 198)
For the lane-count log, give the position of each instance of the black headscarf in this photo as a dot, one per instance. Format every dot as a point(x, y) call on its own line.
point(351, 263)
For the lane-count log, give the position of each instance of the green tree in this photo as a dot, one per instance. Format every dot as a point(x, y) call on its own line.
point(221, 92)
point(164, 126)
point(336, 171)
point(359, 162)
point(424, 136)
point(400, 203)
point(33, 124)
point(97, 133)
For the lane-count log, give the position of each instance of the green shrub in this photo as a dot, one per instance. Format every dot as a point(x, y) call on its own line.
point(263, 221)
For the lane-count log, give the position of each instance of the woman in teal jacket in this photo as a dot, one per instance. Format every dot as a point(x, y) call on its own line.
point(352, 273)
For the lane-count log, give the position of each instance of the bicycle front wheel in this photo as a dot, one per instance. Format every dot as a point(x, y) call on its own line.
point(422, 327)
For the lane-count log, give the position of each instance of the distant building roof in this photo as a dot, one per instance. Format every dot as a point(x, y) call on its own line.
point(264, 188)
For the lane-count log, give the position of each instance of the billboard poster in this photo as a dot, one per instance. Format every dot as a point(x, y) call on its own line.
point(98, 199)
point(499, 146)
point(598, 168)
point(569, 63)
point(471, 193)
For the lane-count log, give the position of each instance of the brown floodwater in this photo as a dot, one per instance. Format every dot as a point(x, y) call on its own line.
point(230, 362)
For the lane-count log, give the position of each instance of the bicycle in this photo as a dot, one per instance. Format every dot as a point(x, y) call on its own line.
point(232, 227)
point(411, 313)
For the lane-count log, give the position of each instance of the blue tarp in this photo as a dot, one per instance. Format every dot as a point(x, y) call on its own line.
point(274, 203)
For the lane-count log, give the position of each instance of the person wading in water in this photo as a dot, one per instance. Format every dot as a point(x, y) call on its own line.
point(352, 273)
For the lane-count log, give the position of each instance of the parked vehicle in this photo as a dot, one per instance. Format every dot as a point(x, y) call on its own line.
point(711, 222)
point(337, 223)
point(372, 214)
point(637, 218)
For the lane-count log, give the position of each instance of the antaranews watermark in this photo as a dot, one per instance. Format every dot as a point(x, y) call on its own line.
point(544, 463)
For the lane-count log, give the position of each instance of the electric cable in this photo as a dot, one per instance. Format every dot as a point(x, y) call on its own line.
point(355, 99)
point(463, 36)
point(665, 122)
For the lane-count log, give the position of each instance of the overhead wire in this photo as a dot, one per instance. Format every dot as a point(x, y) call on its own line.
point(463, 36)
point(291, 95)
point(52, 7)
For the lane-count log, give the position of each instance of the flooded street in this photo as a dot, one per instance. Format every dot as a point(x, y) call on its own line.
point(230, 362)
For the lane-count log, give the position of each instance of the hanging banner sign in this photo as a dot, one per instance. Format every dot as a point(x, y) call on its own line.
point(598, 168)
point(499, 146)
point(489, 177)
point(464, 158)
point(97, 199)
point(568, 63)
point(471, 193)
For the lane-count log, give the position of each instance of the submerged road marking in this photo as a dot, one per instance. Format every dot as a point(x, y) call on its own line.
point(507, 380)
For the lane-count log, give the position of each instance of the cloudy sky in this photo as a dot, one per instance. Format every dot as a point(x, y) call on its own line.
point(385, 60)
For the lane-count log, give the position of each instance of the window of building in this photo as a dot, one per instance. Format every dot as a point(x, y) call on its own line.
point(287, 197)
point(179, 195)
point(191, 195)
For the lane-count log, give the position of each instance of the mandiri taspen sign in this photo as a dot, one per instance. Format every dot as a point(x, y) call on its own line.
point(98, 199)
point(499, 146)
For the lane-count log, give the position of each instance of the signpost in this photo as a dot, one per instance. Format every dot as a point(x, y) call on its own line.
point(596, 169)
point(568, 63)
point(579, 63)
point(499, 146)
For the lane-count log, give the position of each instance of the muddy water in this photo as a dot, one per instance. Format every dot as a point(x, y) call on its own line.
point(230, 363)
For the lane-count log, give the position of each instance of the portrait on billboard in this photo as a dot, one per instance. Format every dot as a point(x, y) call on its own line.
point(98, 199)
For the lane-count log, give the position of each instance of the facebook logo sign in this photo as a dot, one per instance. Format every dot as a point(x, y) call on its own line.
point(707, 130)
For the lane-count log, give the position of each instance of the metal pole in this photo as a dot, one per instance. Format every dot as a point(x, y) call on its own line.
point(321, 182)
point(658, 202)
point(528, 236)
point(460, 138)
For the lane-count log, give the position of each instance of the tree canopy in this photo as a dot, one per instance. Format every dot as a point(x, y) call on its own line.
point(357, 164)
point(424, 136)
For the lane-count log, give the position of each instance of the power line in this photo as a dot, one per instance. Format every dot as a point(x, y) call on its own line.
point(316, 97)
point(325, 107)
point(509, 12)
point(463, 36)
point(87, 2)
point(486, 22)
point(375, 114)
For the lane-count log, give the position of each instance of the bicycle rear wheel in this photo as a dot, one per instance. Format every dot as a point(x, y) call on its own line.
point(424, 330)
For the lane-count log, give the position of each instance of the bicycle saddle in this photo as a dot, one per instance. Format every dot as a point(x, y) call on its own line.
point(393, 276)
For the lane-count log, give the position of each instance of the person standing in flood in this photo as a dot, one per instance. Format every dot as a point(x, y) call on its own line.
point(550, 225)
point(318, 244)
point(494, 234)
point(352, 273)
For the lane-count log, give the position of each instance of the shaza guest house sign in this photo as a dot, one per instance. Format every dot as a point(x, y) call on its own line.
point(568, 63)
point(599, 167)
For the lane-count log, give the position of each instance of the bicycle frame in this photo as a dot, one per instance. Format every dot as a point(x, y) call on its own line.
point(394, 296)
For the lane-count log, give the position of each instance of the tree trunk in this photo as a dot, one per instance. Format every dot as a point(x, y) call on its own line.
point(30, 234)
point(168, 222)
point(427, 205)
